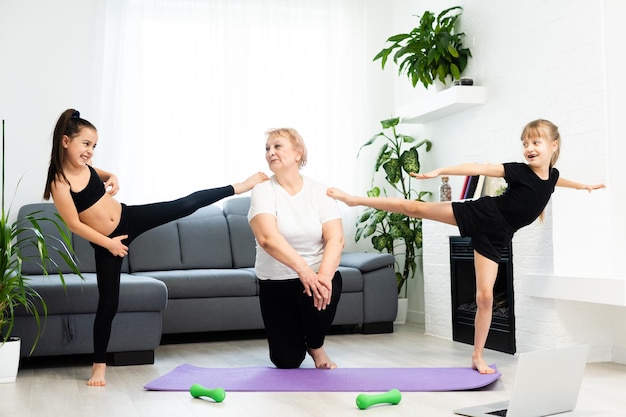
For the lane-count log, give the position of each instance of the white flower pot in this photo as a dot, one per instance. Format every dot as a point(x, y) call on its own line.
point(403, 308)
point(9, 359)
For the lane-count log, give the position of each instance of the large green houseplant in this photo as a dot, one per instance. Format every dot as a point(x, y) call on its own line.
point(431, 51)
point(16, 290)
point(393, 232)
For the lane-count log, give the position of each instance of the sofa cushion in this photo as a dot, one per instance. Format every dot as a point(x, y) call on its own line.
point(242, 242)
point(198, 241)
point(365, 261)
point(137, 294)
point(207, 283)
point(351, 278)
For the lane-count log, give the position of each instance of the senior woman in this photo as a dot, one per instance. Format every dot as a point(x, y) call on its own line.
point(299, 238)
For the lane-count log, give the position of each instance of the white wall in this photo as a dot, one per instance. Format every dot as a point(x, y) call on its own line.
point(539, 59)
point(48, 52)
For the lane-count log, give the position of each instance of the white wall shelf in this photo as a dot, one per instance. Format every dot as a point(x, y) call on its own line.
point(443, 103)
point(601, 290)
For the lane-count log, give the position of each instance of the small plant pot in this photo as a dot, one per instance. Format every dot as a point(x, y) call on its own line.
point(9, 359)
point(403, 309)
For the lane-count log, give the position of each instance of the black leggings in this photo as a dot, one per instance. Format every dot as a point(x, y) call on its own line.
point(292, 322)
point(134, 221)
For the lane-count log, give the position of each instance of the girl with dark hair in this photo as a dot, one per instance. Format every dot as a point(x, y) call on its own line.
point(490, 221)
point(83, 196)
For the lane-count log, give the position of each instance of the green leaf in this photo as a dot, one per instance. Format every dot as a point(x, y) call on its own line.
point(374, 192)
point(390, 123)
point(383, 156)
point(399, 37)
point(410, 161)
point(453, 51)
point(392, 169)
point(456, 73)
point(383, 242)
point(369, 142)
point(369, 230)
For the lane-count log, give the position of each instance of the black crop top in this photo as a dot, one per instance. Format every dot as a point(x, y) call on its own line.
point(89, 195)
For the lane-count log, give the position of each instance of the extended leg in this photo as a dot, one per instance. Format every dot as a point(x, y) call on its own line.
point(441, 212)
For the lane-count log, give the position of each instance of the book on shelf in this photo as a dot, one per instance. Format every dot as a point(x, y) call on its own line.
point(471, 187)
point(479, 192)
point(464, 189)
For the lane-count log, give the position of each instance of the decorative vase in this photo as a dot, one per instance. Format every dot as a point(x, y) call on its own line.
point(403, 308)
point(9, 359)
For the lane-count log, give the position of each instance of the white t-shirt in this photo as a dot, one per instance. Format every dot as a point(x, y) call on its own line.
point(299, 219)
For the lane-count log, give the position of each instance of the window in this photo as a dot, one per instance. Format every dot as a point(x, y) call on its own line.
point(190, 87)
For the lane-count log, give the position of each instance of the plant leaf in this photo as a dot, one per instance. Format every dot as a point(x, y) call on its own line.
point(390, 123)
point(410, 161)
point(392, 169)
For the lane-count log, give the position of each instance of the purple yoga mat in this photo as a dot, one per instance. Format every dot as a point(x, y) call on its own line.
point(311, 379)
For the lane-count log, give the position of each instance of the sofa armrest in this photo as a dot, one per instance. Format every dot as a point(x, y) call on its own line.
point(366, 261)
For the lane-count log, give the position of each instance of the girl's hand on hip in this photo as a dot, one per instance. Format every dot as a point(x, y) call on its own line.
point(117, 248)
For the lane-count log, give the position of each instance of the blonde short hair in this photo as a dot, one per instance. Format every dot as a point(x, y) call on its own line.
point(294, 137)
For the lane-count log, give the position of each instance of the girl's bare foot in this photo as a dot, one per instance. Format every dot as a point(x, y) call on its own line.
point(481, 366)
point(321, 359)
point(342, 196)
point(98, 372)
point(250, 182)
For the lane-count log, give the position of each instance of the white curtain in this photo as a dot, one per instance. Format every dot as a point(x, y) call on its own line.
point(190, 87)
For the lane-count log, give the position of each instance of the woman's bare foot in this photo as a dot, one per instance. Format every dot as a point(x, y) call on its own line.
point(250, 182)
point(98, 371)
point(342, 196)
point(321, 359)
point(481, 366)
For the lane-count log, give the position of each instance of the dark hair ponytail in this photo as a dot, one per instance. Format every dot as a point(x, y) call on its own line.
point(69, 124)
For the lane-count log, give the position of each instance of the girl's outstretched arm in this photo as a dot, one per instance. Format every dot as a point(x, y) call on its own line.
point(489, 170)
point(562, 182)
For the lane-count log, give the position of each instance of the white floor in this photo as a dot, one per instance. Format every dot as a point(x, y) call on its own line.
point(58, 388)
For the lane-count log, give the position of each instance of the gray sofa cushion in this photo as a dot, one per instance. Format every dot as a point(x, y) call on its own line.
point(351, 278)
point(242, 242)
point(197, 241)
point(207, 283)
point(365, 262)
point(81, 296)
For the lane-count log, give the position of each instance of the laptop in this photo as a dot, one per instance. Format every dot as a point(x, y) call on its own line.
point(547, 382)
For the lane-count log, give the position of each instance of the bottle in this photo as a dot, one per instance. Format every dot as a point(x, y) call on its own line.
point(445, 192)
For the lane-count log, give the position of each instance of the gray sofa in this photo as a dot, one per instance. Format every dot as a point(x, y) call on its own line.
point(192, 275)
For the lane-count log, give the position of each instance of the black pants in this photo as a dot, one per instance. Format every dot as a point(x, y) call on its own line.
point(292, 322)
point(134, 221)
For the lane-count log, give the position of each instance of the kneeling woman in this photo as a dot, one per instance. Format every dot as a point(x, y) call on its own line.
point(299, 242)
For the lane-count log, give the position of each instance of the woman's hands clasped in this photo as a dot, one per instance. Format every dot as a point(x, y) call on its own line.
point(318, 286)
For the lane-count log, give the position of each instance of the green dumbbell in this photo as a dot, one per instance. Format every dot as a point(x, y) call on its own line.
point(217, 394)
point(364, 401)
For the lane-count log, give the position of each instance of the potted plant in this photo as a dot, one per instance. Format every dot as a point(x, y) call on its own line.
point(394, 232)
point(15, 289)
point(431, 51)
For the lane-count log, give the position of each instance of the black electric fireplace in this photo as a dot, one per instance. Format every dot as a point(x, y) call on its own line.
point(463, 285)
